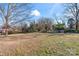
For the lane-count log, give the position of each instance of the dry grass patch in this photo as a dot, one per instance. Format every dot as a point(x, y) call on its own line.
point(40, 44)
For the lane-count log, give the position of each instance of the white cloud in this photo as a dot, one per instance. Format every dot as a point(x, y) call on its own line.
point(35, 12)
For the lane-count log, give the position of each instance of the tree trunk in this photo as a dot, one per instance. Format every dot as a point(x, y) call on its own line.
point(76, 25)
point(6, 27)
point(76, 17)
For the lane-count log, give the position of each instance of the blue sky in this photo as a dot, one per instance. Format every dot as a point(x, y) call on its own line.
point(46, 10)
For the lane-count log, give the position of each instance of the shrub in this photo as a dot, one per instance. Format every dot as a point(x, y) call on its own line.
point(70, 31)
point(59, 26)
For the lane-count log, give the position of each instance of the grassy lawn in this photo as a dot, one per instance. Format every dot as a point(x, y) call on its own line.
point(40, 44)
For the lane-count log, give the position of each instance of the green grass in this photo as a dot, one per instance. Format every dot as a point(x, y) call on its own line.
point(46, 44)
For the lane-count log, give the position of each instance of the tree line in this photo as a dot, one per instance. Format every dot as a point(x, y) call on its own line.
point(13, 13)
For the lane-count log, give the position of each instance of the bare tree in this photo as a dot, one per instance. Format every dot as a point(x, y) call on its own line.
point(56, 18)
point(45, 24)
point(71, 23)
point(12, 13)
point(72, 11)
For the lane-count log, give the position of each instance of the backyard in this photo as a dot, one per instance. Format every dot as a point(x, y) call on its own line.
point(40, 44)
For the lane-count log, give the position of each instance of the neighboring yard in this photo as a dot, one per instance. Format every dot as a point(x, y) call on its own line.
point(40, 44)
